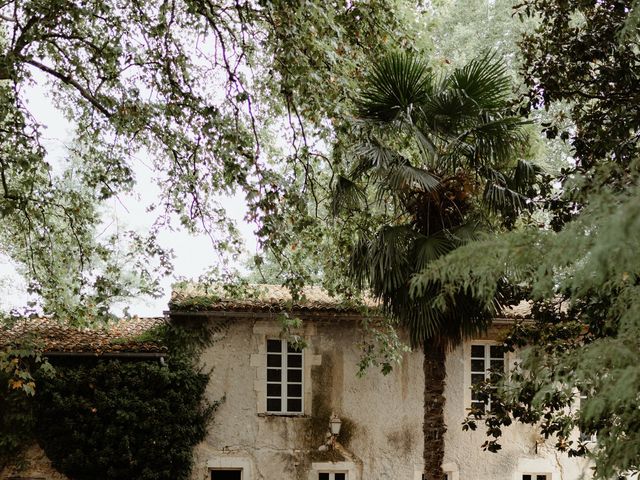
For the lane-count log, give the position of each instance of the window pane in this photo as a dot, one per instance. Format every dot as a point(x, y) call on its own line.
point(480, 407)
point(526, 477)
point(294, 360)
point(273, 390)
point(541, 477)
point(497, 365)
point(294, 375)
point(293, 348)
point(226, 474)
point(323, 476)
point(274, 374)
point(274, 405)
point(274, 360)
point(477, 365)
point(294, 390)
point(340, 476)
point(274, 346)
point(294, 406)
point(477, 378)
point(477, 351)
point(497, 351)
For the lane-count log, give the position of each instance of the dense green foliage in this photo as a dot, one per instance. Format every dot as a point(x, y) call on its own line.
point(16, 423)
point(116, 419)
point(249, 95)
point(220, 97)
point(440, 158)
point(581, 270)
point(109, 419)
point(433, 151)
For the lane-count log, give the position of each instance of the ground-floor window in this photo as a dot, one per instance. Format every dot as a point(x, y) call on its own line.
point(332, 476)
point(227, 474)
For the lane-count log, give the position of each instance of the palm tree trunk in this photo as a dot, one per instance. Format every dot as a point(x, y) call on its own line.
point(433, 426)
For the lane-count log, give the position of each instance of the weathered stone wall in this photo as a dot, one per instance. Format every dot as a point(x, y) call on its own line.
point(523, 450)
point(381, 415)
point(381, 437)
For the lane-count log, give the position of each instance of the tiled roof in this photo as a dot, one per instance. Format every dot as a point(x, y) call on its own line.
point(52, 336)
point(268, 298)
point(262, 298)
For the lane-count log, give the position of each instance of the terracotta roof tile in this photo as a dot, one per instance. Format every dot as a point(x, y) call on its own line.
point(52, 336)
point(259, 298)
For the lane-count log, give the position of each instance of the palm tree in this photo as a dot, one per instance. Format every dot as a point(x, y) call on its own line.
point(437, 162)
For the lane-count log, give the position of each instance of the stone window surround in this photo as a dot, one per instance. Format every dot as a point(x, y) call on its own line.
point(535, 466)
point(449, 468)
point(339, 467)
point(232, 463)
point(262, 330)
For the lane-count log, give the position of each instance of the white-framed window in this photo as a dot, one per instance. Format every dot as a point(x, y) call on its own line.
point(333, 476)
point(485, 358)
point(585, 437)
point(333, 471)
point(285, 374)
point(536, 476)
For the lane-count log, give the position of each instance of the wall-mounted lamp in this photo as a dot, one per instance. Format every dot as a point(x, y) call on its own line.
point(334, 425)
point(334, 430)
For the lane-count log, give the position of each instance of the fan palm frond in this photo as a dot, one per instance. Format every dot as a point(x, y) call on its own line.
point(467, 232)
point(448, 325)
point(428, 248)
point(423, 322)
point(383, 260)
point(483, 81)
point(346, 195)
point(489, 142)
point(397, 84)
point(524, 174)
point(446, 112)
point(499, 197)
point(373, 154)
point(497, 138)
point(404, 177)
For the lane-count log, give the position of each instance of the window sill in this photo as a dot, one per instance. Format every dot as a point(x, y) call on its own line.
point(283, 414)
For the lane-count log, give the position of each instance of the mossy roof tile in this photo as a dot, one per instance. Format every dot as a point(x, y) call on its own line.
point(49, 335)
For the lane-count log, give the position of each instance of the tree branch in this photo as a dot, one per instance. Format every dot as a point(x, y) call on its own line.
point(66, 79)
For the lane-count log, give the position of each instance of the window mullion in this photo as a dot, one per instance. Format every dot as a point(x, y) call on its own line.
point(285, 380)
point(487, 370)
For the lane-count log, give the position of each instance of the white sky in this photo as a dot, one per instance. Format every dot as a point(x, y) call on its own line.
point(193, 254)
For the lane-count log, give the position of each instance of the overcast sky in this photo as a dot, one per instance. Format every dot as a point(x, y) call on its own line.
point(193, 255)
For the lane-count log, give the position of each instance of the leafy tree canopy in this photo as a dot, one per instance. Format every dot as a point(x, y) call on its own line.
point(205, 89)
point(580, 270)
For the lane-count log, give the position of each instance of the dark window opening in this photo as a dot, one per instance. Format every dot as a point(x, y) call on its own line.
point(226, 474)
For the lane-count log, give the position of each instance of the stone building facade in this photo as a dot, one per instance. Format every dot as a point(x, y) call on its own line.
point(274, 420)
point(277, 401)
